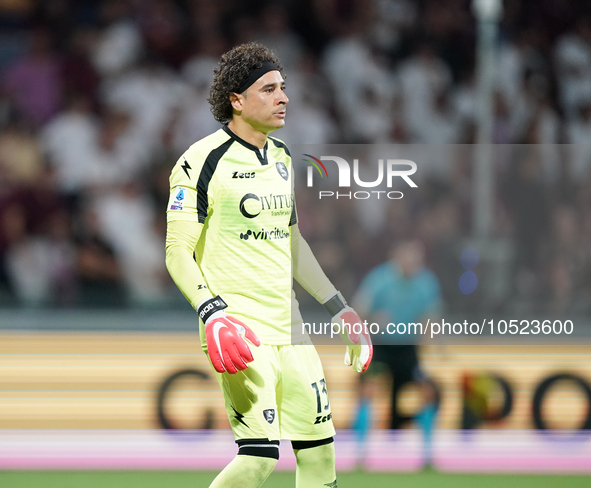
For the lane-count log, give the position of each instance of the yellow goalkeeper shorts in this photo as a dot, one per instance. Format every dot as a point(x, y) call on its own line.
point(281, 395)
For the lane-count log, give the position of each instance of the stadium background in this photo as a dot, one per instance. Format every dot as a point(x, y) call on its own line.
point(98, 99)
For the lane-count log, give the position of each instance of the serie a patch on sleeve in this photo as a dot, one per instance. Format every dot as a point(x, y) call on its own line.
point(179, 199)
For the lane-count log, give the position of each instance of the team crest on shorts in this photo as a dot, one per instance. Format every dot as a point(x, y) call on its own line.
point(269, 415)
point(282, 170)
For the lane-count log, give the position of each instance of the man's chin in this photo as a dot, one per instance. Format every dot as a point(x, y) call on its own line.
point(278, 124)
point(270, 126)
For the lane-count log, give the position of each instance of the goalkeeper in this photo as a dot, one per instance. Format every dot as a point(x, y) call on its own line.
point(232, 245)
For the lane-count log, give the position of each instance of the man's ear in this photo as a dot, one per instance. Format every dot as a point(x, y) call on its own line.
point(236, 100)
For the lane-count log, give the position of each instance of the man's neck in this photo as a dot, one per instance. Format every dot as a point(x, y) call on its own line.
point(247, 132)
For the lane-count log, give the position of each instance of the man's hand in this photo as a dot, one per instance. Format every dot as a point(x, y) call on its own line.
point(226, 337)
point(359, 347)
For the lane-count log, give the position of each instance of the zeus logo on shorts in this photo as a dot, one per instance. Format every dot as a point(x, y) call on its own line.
point(323, 418)
point(269, 415)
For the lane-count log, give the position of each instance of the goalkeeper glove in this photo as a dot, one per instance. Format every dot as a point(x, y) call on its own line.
point(225, 336)
point(357, 339)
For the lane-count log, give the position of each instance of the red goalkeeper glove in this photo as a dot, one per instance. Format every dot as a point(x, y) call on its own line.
point(353, 332)
point(226, 337)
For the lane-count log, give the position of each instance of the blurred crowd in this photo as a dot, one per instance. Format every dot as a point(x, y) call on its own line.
point(98, 98)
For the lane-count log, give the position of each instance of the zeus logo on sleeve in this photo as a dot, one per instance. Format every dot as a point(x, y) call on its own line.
point(179, 198)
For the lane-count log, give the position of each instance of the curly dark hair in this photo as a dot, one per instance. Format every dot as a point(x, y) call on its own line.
point(232, 70)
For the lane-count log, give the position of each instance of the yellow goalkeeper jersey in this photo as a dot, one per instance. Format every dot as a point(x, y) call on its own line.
point(243, 198)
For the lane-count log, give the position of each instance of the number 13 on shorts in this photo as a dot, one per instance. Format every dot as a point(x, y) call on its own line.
point(322, 403)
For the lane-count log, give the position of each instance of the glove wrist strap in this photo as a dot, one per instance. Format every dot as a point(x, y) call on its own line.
point(335, 304)
point(209, 307)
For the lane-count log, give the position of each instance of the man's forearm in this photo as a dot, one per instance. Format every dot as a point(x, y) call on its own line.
point(306, 269)
point(181, 239)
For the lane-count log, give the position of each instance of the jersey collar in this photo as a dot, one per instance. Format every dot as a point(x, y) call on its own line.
point(262, 159)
